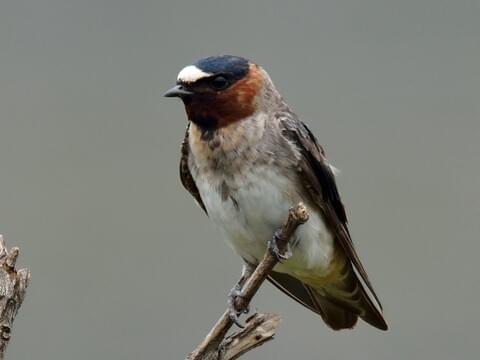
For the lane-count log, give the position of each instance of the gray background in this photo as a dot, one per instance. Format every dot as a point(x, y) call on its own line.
point(126, 266)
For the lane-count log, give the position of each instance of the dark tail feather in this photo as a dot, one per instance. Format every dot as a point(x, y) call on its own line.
point(363, 307)
point(349, 294)
point(334, 316)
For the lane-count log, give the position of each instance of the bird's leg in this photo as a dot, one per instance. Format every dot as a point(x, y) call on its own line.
point(234, 294)
point(274, 250)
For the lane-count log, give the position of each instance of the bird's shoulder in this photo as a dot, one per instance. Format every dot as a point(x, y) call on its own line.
point(315, 172)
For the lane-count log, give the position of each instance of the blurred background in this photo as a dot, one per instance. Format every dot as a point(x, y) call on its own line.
point(124, 265)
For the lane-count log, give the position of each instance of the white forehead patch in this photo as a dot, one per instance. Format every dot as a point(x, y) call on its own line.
point(190, 74)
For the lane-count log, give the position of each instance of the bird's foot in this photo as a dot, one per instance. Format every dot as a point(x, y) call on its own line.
point(274, 250)
point(236, 305)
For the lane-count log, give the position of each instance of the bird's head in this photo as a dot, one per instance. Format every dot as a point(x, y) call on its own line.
point(219, 90)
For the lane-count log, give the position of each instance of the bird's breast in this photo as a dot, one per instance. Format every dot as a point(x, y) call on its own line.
point(251, 205)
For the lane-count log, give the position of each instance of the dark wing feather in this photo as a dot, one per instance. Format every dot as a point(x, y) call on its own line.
point(319, 181)
point(185, 174)
point(295, 289)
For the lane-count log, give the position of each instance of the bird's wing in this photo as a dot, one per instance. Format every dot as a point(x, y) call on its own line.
point(185, 174)
point(319, 182)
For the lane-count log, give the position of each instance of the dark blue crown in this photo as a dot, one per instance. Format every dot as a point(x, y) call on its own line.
point(235, 66)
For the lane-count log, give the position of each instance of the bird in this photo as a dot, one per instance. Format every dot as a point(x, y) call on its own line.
point(246, 158)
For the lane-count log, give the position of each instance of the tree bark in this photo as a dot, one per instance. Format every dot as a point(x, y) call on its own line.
point(260, 327)
point(13, 285)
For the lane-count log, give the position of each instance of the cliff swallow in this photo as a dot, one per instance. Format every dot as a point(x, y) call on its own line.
point(246, 159)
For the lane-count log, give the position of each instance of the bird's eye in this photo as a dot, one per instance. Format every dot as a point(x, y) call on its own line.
point(219, 82)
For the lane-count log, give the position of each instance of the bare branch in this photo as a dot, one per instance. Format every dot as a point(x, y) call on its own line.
point(259, 329)
point(214, 347)
point(13, 285)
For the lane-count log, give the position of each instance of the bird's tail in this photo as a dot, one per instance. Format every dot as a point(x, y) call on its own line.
point(339, 301)
point(334, 316)
point(344, 300)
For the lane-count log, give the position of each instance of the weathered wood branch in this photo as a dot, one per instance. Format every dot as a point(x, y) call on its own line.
point(260, 327)
point(13, 285)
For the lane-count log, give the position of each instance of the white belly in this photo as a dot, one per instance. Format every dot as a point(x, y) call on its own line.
point(256, 208)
